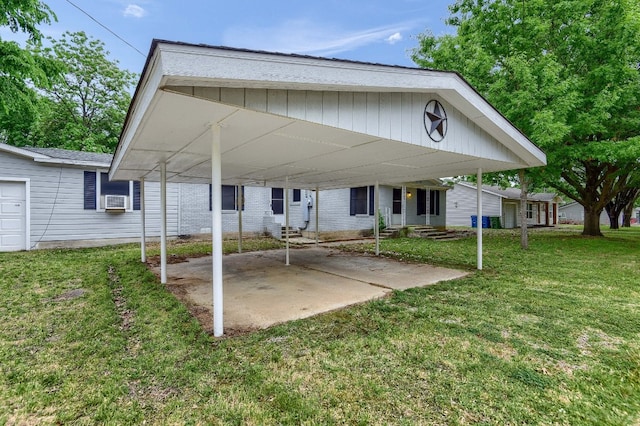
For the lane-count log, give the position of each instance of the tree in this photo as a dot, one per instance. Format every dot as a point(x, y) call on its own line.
point(21, 69)
point(567, 74)
point(85, 110)
point(619, 204)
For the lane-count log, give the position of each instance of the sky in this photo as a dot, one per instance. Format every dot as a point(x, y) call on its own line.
point(379, 31)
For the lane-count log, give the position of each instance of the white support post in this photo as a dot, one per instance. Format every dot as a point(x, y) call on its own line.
point(317, 216)
point(143, 232)
point(403, 204)
point(376, 206)
point(216, 230)
point(479, 218)
point(427, 207)
point(286, 217)
point(240, 204)
point(163, 222)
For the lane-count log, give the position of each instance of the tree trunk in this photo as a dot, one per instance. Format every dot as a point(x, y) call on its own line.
point(614, 215)
point(626, 216)
point(592, 223)
point(524, 236)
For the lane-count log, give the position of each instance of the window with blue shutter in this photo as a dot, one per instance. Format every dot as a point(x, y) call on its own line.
point(89, 190)
point(358, 201)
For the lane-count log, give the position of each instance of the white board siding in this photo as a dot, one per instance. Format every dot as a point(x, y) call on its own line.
point(387, 115)
point(461, 204)
point(57, 205)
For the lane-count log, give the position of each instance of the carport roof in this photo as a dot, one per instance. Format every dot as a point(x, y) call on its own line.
point(306, 142)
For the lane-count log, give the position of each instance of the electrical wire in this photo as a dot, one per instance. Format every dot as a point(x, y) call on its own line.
point(106, 28)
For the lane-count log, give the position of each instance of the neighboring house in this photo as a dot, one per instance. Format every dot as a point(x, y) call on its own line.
point(51, 197)
point(542, 208)
point(573, 213)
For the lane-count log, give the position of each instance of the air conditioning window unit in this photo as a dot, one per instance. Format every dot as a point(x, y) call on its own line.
point(115, 202)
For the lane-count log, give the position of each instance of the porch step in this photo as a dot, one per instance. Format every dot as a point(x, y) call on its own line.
point(435, 234)
point(293, 233)
point(423, 231)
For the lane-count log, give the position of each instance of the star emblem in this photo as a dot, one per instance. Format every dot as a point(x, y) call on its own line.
point(435, 120)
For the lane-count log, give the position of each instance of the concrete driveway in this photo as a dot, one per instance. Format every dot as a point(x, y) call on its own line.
point(260, 291)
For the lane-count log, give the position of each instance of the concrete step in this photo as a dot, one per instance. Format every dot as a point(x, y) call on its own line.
point(293, 233)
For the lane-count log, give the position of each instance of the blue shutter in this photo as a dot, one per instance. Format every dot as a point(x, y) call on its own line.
point(352, 201)
point(422, 201)
point(372, 192)
point(136, 195)
point(89, 190)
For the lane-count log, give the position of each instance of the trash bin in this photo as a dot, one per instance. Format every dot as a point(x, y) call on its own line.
point(495, 222)
point(486, 221)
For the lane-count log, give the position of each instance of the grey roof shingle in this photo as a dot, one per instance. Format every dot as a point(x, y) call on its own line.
point(64, 154)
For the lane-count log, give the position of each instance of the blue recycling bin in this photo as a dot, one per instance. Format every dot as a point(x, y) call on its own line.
point(486, 221)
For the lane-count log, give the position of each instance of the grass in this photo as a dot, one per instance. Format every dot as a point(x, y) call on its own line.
point(544, 336)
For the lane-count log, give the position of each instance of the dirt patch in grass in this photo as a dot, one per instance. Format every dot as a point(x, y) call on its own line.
point(69, 295)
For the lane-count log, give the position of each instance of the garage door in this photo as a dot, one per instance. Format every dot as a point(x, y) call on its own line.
point(13, 229)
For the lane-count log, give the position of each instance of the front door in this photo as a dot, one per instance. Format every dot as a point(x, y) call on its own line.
point(277, 204)
point(510, 215)
point(13, 223)
point(396, 209)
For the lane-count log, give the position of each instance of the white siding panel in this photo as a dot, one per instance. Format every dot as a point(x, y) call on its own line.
point(297, 105)
point(461, 204)
point(398, 116)
point(212, 93)
point(360, 112)
point(330, 109)
point(256, 99)
point(345, 110)
point(313, 107)
point(277, 102)
point(407, 113)
point(395, 116)
point(373, 114)
point(232, 96)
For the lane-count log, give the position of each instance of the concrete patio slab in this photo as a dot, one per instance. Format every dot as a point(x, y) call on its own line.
point(260, 290)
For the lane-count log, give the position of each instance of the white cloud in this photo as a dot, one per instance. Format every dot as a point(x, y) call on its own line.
point(134, 11)
point(394, 38)
point(307, 37)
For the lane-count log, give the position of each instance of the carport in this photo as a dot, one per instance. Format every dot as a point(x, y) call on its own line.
point(239, 117)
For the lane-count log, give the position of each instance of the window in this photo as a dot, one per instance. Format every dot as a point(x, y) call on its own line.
point(296, 195)
point(277, 200)
point(529, 211)
point(94, 194)
point(229, 197)
point(397, 201)
point(434, 202)
point(422, 201)
point(361, 201)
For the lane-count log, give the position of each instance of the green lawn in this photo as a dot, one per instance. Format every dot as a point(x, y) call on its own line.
point(548, 336)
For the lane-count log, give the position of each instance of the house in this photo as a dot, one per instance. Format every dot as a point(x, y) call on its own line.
point(53, 197)
point(542, 208)
point(573, 213)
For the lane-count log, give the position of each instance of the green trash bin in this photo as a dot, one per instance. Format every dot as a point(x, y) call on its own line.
point(495, 222)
